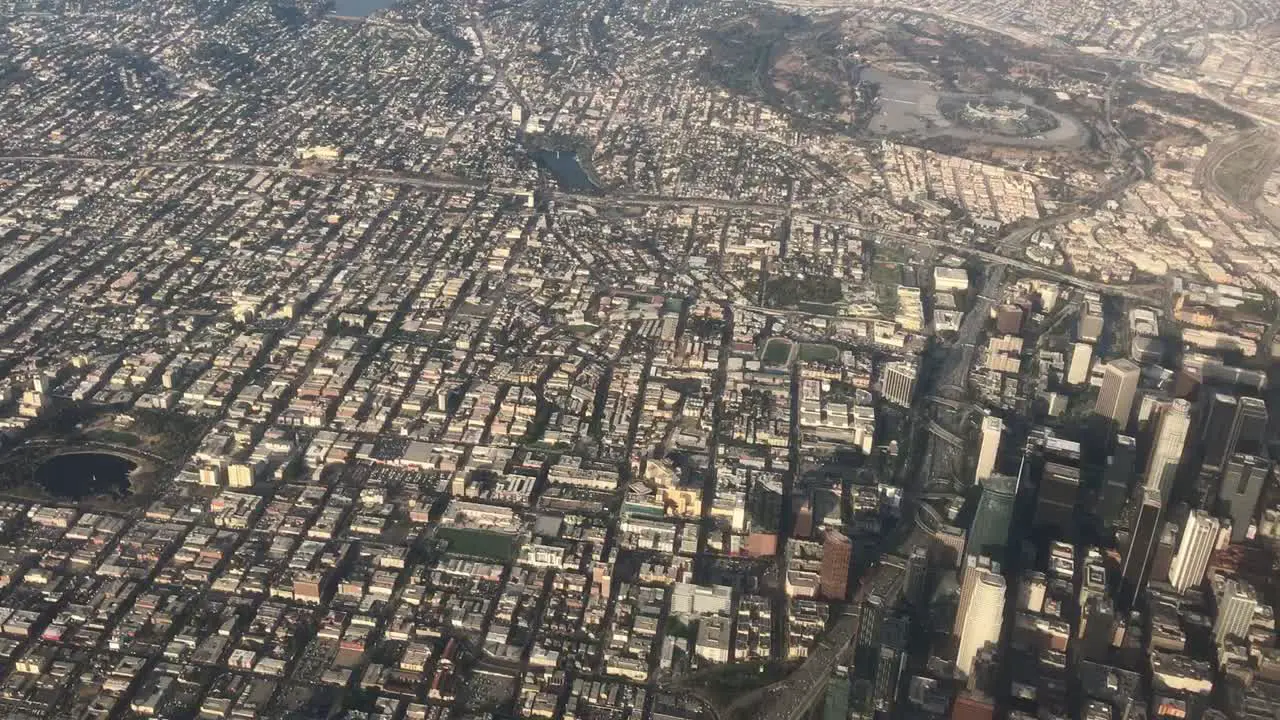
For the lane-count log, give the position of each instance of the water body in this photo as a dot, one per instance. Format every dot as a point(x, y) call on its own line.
point(567, 169)
point(80, 475)
point(360, 8)
point(910, 108)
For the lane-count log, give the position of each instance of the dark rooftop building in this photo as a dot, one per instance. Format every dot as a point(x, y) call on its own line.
point(1112, 685)
point(972, 707)
point(989, 531)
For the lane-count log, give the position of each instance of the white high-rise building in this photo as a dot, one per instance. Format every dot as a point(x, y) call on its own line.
point(992, 430)
point(1078, 363)
point(1197, 543)
point(898, 382)
point(981, 615)
point(1236, 607)
point(1166, 450)
point(1119, 385)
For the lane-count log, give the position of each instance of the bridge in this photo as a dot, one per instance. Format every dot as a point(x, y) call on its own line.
point(947, 402)
point(928, 519)
point(944, 434)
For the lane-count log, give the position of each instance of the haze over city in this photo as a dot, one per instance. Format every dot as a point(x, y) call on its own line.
point(639, 359)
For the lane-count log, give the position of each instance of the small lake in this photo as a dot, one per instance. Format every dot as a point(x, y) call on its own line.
point(360, 8)
point(79, 475)
point(567, 169)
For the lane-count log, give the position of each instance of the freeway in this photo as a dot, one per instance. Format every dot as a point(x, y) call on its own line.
point(997, 259)
point(944, 434)
point(799, 691)
point(613, 199)
point(955, 369)
point(793, 697)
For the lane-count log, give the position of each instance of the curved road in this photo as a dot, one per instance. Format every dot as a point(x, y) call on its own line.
point(1263, 144)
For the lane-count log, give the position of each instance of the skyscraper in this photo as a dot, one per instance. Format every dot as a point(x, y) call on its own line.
point(989, 533)
point(1194, 548)
point(833, 581)
point(1117, 480)
point(1218, 434)
point(1233, 425)
point(892, 658)
point(1142, 543)
point(1119, 383)
point(981, 614)
point(1147, 407)
point(882, 598)
point(1056, 501)
point(1204, 494)
point(1097, 628)
point(916, 587)
point(971, 564)
point(1166, 448)
point(947, 547)
point(992, 430)
point(1166, 546)
point(866, 651)
point(898, 383)
point(835, 705)
point(1251, 427)
point(1090, 322)
point(1078, 364)
point(1236, 606)
point(1238, 493)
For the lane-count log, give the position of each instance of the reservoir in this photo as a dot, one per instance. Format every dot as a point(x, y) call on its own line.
point(913, 108)
point(359, 8)
point(84, 474)
point(565, 167)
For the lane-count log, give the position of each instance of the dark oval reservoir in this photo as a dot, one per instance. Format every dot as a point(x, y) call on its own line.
point(566, 167)
point(81, 475)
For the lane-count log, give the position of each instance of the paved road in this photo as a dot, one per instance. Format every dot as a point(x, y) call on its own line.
point(98, 446)
point(499, 67)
